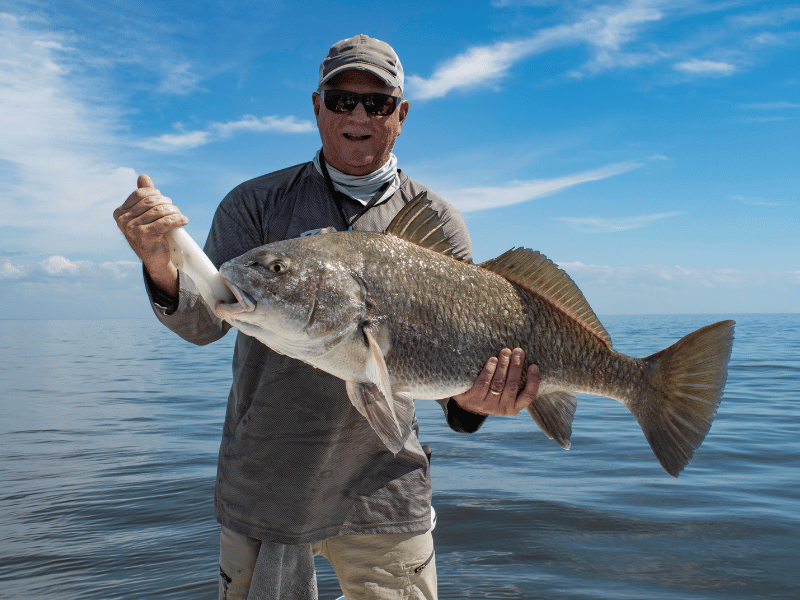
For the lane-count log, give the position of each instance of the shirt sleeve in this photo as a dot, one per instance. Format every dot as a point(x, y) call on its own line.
point(460, 419)
point(187, 314)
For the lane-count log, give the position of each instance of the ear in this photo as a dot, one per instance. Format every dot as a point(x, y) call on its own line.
point(316, 100)
point(402, 113)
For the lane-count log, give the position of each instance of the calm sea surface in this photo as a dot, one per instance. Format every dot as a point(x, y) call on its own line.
point(110, 429)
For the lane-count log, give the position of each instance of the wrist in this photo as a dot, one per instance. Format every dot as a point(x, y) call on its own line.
point(165, 279)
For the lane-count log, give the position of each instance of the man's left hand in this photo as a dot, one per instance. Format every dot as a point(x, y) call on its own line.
point(496, 391)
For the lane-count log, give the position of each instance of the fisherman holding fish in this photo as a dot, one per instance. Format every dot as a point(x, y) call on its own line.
point(300, 471)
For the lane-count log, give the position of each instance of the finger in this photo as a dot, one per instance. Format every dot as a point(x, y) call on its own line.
point(157, 213)
point(512, 383)
point(154, 224)
point(528, 394)
point(147, 230)
point(144, 181)
point(147, 204)
point(499, 378)
point(485, 378)
point(137, 196)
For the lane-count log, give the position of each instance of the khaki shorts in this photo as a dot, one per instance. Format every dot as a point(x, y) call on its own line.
point(386, 566)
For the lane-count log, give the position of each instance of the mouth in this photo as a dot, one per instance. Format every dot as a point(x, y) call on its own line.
point(356, 138)
point(244, 302)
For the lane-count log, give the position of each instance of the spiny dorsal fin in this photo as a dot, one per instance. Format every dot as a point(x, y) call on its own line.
point(418, 223)
point(538, 274)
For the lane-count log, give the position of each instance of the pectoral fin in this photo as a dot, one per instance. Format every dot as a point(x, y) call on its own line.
point(389, 412)
point(390, 418)
point(553, 414)
point(375, 368)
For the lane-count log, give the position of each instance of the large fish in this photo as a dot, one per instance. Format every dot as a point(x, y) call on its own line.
point(397, 317)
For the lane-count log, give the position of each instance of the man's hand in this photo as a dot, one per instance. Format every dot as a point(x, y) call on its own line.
point(496, 391)
point(144, 218)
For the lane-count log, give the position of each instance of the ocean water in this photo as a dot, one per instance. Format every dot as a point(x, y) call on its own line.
point(110, 429)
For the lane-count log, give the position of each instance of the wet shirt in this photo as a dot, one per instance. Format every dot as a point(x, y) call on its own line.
point(297, 462)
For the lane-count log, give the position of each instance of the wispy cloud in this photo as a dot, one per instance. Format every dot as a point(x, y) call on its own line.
point(605, 30)
point(770, 112)
point(610, 225)
point(756, 201)
point(183, 140)
point(180, 80)
point(59, 172)
point(479, 198)
point(672, 288)
point(771, 17)
point(772, 105)
point(705, 67)
point(622, 36)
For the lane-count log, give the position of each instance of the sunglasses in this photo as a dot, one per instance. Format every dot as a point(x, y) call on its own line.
point(341, 101)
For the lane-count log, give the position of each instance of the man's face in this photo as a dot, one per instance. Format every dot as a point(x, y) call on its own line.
point(356, 143)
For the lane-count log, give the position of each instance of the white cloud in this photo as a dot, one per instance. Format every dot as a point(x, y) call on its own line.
point(61, 139)
point(605, 30)
point(185, 140)
point(625, 35)
point(270, 123)
point(607, 225)
point(60, 175)
point(647, 289)
point(58, 287)
point(60, 267)
point(479, 198)
point(704, 67)
point(10, 271)
point(170, 142)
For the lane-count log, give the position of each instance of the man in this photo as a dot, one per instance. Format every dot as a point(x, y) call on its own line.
point(299, 468)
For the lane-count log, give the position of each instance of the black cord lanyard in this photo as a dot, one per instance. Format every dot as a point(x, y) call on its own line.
point(338, 196)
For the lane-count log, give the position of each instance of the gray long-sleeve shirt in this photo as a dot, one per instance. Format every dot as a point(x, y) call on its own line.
point(297, 462)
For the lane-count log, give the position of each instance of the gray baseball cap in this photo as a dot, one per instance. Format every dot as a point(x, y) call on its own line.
point(365, 53)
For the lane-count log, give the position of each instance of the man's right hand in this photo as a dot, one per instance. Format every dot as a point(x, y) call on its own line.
point(144, 218)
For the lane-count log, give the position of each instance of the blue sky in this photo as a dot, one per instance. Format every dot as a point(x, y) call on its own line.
point(650, 148)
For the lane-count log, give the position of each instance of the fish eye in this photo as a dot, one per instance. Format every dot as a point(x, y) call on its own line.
point(277, 267)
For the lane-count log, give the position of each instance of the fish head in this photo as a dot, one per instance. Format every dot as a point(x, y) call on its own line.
point(300, 297)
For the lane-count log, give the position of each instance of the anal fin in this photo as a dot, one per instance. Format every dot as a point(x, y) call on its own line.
point(553, 414)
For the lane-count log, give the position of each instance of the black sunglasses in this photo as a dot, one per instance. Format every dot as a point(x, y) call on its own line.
point(342, 101)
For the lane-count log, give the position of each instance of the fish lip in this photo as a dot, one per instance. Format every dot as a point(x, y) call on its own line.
point(244, 301)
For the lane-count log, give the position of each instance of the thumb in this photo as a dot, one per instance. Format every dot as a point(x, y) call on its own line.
point(144, 181)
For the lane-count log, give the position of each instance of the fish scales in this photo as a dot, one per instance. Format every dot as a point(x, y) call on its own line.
point(397, 320)
point(450, 317)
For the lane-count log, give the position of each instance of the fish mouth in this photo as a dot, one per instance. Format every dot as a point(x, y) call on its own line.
point(244, 302)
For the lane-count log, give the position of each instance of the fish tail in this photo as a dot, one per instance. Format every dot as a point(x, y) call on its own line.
point(682, 394)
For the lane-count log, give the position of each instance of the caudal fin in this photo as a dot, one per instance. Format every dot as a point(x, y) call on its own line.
point(685, 388)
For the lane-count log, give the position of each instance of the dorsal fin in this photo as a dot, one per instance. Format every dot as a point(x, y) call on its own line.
point(538, 274)
point(418, 223)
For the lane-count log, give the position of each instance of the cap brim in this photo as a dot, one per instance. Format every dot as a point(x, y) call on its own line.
point(377, 71)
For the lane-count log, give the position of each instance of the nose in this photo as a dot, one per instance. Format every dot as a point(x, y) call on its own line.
point(359, 113)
